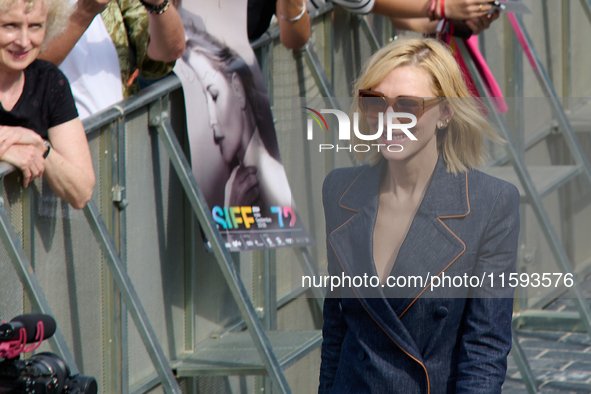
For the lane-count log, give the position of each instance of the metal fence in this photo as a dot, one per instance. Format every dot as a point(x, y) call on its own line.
point(145, 209)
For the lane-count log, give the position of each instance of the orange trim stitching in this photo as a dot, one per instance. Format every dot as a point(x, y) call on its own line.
point(345, 192)
point(348, 220)
point(454, 234)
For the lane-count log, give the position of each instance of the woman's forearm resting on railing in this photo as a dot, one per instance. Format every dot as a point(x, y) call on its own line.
point(68, 166)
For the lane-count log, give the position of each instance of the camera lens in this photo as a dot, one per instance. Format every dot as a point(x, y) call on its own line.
point(82, 385)
point(44, 373)
point(51, 364)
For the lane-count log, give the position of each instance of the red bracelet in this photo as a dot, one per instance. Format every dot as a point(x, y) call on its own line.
point(431, 13)
point(442, 10)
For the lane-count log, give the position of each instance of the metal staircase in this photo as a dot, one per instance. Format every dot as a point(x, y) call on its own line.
point(536, 182)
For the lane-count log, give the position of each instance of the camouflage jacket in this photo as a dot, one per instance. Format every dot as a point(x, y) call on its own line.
point(127, 24)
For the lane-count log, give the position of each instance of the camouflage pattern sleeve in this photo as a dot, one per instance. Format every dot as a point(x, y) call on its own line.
point(127, 23)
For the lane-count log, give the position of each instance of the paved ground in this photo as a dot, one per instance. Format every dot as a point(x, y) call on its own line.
point(560, 361)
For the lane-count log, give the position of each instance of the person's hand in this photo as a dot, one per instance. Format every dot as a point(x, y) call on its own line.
point(463, 9)
point(477, 25)
point(28, 159)
point(245, 188)
point(91, 7)
point(11, 135)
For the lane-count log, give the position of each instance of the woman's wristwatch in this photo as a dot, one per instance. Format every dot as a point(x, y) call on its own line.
point(156, 9)
point(47, 149)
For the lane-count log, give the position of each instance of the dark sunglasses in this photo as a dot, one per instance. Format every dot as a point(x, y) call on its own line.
point(372, 103)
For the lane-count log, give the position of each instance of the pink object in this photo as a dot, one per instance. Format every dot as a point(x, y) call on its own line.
point(521, 38)
point(488, 78)
point(522, 41)
point(12, 349)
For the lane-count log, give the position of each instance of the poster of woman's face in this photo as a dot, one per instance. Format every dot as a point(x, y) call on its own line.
point(234, 150)
point(224, 98)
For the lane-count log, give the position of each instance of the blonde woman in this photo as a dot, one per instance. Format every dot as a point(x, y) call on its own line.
point(40, 132)
point(415, 214)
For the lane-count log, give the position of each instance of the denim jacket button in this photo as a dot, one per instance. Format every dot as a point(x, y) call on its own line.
point(361, 355)
point(441, 312)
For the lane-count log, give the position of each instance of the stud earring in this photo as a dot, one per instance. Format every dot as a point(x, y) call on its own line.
point(447, 121)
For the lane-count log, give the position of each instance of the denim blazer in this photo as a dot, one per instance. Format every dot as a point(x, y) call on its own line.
point(420, 339)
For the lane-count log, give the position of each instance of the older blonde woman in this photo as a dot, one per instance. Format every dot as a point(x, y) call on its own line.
point(40, 132)
point(418, 213)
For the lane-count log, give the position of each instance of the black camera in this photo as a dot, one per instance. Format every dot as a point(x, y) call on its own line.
point(43, 373)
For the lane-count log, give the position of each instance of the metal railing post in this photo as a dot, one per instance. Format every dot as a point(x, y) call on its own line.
point(131, 299)
point(587, 7)
point(520, 358)
point(371, 37)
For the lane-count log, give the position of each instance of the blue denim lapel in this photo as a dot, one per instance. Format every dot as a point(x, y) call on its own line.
point(429, 247)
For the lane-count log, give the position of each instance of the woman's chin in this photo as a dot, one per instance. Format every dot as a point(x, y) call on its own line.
point(393, 155)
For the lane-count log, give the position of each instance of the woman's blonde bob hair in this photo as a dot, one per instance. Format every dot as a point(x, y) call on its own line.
point(461, 142)
point(58, 12)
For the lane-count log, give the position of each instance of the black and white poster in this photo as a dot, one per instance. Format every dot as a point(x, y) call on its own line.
point(234, 151)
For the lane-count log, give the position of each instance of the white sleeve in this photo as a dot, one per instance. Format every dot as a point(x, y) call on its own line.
point(354, 6)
